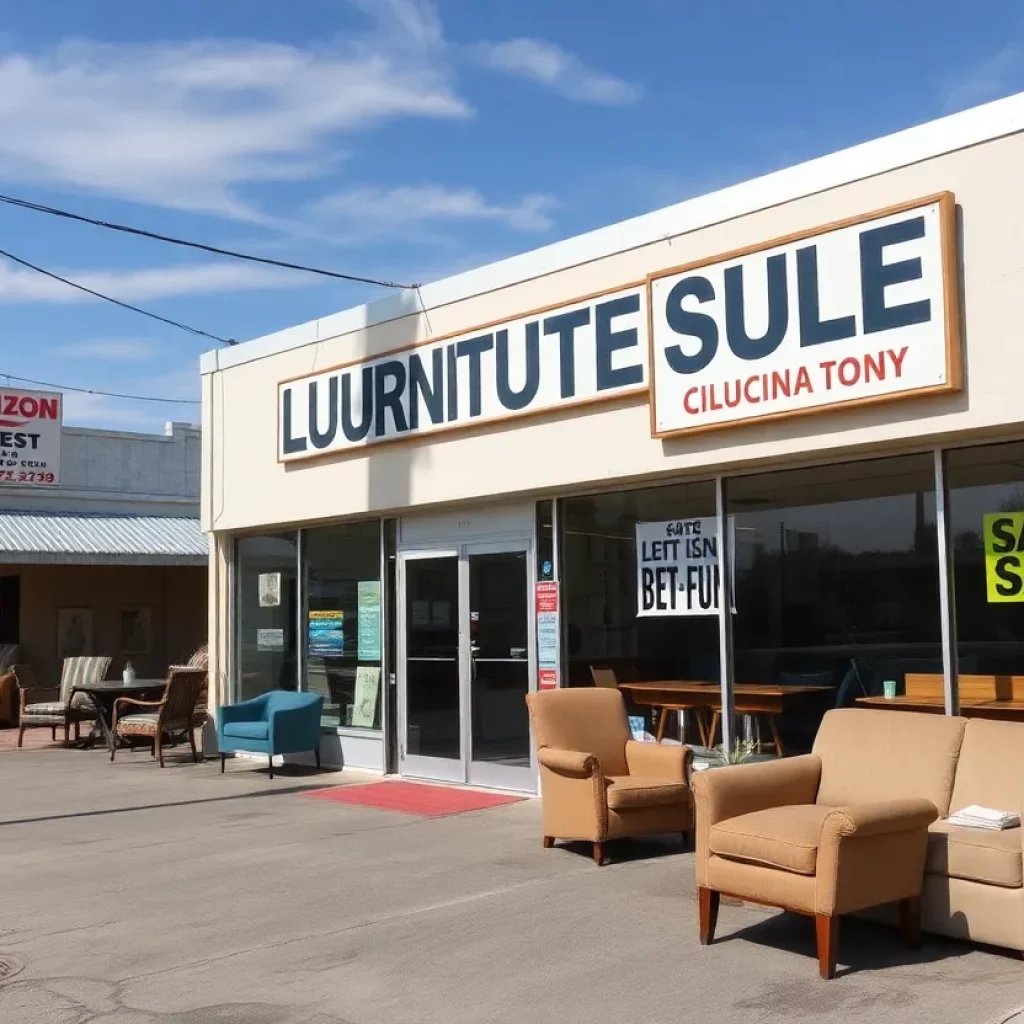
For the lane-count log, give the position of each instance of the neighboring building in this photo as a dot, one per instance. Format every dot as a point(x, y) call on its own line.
point(111, 560)
point(513, 477)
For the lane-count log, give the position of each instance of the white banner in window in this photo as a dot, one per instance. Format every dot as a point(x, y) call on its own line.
point(677, 569)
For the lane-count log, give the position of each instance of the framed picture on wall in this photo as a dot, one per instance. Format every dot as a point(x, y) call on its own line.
point(74, 632)
point(136, 630)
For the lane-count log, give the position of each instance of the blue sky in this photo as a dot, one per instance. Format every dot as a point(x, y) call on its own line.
point(406, 139)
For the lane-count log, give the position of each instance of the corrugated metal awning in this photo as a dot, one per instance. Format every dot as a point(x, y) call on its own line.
point(62, 538)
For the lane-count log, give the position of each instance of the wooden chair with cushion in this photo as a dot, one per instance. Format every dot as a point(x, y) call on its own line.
point(597, 783)
point(154, 720)
point(53, 707)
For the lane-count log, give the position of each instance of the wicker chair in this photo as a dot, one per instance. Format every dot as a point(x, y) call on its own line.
point(154, 719)
point(201, 659)
point(50, 707)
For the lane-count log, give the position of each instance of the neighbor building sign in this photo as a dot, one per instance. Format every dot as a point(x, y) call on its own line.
point(30, 426)
point(582, 351)
point(855, 312)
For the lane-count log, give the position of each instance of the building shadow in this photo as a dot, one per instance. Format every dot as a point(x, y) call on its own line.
point(864, 946)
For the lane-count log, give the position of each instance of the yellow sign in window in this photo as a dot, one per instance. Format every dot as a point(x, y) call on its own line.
point(1004, 556)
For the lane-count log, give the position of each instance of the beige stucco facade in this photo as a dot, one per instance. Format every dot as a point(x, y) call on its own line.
point(976, 156)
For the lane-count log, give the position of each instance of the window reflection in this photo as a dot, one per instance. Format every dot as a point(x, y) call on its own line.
point(344, 622)
point(267, 613)
point(836, 584)
point(983, 481)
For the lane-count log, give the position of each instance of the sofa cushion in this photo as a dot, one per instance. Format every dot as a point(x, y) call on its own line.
point(990, 770)
point(976, 854)
point(784, 837)
point(246, 730)
point(626, 792)
point(869, 756)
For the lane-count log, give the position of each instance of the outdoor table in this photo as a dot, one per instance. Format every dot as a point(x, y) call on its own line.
point(102, 694)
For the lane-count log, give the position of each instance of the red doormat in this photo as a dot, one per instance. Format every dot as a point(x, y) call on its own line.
point(414, 798)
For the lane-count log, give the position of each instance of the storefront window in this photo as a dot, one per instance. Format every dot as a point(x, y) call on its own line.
point(344, 622)
point(986, 502)
point(836, 586)
point(267, 613)
point(607, 628)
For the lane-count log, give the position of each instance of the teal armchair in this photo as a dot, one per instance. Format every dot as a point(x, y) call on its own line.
point(278, 722)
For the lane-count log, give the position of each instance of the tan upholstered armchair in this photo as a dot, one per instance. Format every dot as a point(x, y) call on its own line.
point(596, 782)
point(834, 832)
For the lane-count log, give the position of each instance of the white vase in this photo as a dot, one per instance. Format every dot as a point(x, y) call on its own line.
point(128, 675)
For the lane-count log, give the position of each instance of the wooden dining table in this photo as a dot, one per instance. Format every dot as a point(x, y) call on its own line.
point(1011, 709)
point(699, 695)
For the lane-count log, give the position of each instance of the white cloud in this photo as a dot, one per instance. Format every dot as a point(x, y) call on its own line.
point(416, 204)
point(22, 285)
point(994, 77)
point(186, 125)
point(120, 350)
point(565, 73)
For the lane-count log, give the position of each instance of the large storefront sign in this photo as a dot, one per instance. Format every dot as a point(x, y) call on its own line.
point(1004, 556)
point(852, 313)
point(677, 568)
point(583, 351)
point(30, 432)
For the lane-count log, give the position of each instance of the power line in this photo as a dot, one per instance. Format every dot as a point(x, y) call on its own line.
point(105, 394)
point(117, 302)
point(54, 211)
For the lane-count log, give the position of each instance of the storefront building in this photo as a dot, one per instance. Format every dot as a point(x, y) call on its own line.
point(519, 477)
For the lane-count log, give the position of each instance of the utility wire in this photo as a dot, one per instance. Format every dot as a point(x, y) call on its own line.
point(127, 229)
point(117, 302)
point(106, 394)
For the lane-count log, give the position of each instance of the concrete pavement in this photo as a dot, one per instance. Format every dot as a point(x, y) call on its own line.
point(130, 895)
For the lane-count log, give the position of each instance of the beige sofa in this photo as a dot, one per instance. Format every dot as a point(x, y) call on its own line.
point(973, 883)
point(860, 823)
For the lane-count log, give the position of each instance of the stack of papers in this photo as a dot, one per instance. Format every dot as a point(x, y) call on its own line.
point(985, 817)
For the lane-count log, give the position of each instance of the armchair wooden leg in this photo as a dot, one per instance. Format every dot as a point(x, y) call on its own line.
point(223, 760)
point(910, 921)
point(78, 730)
point(599, 854)
point(53, 734)
point(271, 760)
point(21, 735)
point(549, 841)
point(827, 928)
point(160, 748)
point(67, 733)
point(316, 754)
point(707, 909)
point(192, 744)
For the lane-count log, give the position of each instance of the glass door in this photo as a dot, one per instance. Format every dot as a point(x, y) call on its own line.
point(500, 669)
point(430, 661)
point(466, 662)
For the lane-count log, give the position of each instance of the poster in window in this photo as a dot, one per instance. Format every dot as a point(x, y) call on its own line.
point(136, 630)
point(364, 701)
point(74, 632)
point(326, 633)
point(677, 569)
point(270, 589)
point(1004, 556)
point(368, 637)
